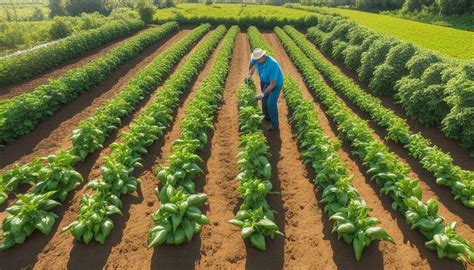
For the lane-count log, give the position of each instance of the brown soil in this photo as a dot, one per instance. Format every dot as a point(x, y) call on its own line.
point(308, 241)
point(29, 85)
point(53, 133)
point(220, 239)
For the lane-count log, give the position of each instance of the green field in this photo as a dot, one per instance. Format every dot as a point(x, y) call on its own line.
point(452, 42)
point(262, 15)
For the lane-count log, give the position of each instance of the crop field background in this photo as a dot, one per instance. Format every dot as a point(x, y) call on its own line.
point(453, 42)
point(134, 146)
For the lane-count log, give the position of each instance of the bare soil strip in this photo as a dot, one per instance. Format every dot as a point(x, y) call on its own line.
point(409, 251)
point(53, 133)
point(221, 244)
point(29, 85)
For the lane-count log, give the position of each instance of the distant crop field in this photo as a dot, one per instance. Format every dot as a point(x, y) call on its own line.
point(452, 42)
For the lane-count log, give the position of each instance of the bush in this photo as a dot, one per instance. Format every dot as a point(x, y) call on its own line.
point(459, 123)
point(37, 15)
point(338, 48)
point(60, 28)
point(387, 74)
point(420, 62)
point(310, 20)
point(327, 23)
point(357, 35)
point(424, 103)
point(352, 55)
point(435, 74)
point(374, 57)
point(455, 7)
point(146, 10)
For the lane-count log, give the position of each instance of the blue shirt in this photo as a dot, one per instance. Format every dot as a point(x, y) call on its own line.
point(269, 71)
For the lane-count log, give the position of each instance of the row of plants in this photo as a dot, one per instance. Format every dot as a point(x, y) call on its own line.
point(179, 216)
point(54, 175)
point(388, 172)
point(433, 159)
point(91, 133)
point(235, 14)
point(344, 204)
point(94, 219)
point(255, 217)
point(431, 88)
point(22, 66)
point(21, 114)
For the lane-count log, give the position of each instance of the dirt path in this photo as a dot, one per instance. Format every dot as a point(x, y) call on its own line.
point(305, 230)
point(221, 244)
point(409, 251)
point(53, 133)
point(29, 85)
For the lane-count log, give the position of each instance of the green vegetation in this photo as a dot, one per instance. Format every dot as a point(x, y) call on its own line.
point(388, 172)
point(432, 89)
point(448, 41)
point(434, 160)
point(21, 114)
point(179, 216)
point(21, 35)
point(245, 15)
point(462, 22)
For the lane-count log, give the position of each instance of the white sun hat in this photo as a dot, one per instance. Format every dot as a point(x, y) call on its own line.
point(258, 53)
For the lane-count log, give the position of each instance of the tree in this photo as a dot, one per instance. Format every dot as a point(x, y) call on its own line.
point(37, 15)
point(455, 7)
point(60, 28)
point(76, 7)
point(57, 8)
point(146, 10)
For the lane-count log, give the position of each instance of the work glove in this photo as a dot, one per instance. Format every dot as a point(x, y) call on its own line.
point(248, 79)
point(259, 96)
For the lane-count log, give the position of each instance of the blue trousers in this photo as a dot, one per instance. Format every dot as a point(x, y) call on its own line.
point(269, 103)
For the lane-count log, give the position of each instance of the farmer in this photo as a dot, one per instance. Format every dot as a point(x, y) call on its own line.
point(271, 82)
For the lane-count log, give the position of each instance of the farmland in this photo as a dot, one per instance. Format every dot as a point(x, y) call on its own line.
point(146, 148)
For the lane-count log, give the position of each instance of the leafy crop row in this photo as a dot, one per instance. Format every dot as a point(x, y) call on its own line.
point(391, 174)
point(117, 178)
point(432, 89)
point(16, 68)
point(255, 218)
point(431, 157)
point(343, 202)
point(178, 218)
point(92, 132)
point(21, 114)
point(235, 14)
point(54, 175)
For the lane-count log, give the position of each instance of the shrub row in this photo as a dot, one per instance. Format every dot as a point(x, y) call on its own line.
point(441, 164)
point(18, 67)
point(429, 87)
point(21, 114)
